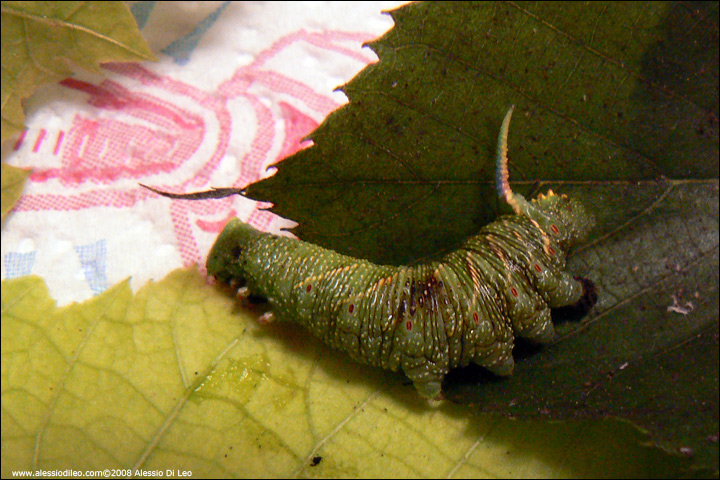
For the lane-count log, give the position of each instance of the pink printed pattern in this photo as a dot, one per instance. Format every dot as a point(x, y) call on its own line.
point(163, 132)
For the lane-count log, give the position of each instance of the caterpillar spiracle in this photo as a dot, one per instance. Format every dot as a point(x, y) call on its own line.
point(428, 318)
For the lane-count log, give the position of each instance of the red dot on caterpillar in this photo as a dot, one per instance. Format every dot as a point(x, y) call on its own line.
point(476, 318)
point(554, 229)
point(537, 268)
point(309, 287)
point(408, 325)
point(351, 308)
point(513, 291)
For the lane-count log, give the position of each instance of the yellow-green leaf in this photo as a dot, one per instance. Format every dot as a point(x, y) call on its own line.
point(40, 41)
point(177, 377)
point(13, 180)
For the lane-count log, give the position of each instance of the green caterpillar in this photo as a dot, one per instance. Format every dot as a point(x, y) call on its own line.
point(429, 318)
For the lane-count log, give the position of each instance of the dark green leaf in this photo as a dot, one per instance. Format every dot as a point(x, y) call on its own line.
point(606, 94)
point(617, 104)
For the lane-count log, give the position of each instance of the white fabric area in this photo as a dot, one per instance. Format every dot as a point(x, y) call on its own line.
point(237, 87)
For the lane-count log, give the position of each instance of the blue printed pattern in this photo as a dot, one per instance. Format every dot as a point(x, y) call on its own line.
point(93, 257)
point(19, 264)
point(141, 11)
point(181, 48)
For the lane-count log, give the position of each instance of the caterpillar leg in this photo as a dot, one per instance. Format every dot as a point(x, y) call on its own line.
point(581, 307)
point(559, 289)
point(429, 389)
point(529, 314)
point(541, 329)
point(267, 317)
point(248, 299)
point(427, 382)
point(562, 290)
point(497, 357)
point(502, 367)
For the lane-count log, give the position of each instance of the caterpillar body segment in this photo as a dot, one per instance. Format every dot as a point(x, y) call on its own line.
point(429, 318)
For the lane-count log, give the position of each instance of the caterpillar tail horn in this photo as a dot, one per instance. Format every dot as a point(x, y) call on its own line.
point(502, 184)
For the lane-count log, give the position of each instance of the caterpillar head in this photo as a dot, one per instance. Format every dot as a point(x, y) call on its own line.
point(562, 217)
point(225, 260)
